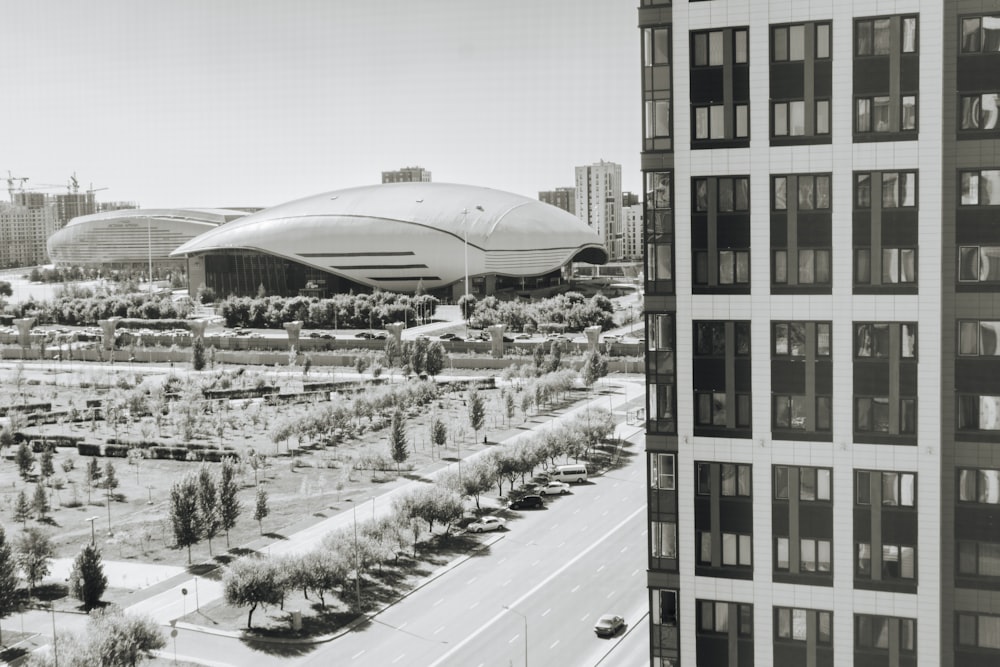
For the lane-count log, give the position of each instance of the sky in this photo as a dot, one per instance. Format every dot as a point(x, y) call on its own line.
point(258, 102)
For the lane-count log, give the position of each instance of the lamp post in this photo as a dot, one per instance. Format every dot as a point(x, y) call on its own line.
point(465, 232)
point(525, 619)
point(91, 519)
point(149, 246)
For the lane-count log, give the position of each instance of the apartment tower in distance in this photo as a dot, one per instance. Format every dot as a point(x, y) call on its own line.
point(599, 203)
point(407, 175)
point(564, 198)
point(821, 224)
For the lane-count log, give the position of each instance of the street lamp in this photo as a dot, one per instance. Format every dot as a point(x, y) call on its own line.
point(525, 619)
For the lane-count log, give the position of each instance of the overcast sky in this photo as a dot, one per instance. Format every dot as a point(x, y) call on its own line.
point(257, 102)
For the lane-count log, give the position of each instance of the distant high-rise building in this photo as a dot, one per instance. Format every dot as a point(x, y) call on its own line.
point(407, 175)
point(632, 232)
point(71, 205)
point(599, 203)
point(25, 225)
point(630, 199)
point(564, 198)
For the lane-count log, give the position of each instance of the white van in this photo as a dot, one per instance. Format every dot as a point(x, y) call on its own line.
point(569, 473)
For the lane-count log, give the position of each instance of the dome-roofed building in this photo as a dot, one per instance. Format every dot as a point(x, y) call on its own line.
point(399, 237)
point(131, 238)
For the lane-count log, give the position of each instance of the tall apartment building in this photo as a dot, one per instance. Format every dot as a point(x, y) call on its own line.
point(407, 175)
point(564, 198)
point(599, 203)
point(822, 196)
point(25, 225)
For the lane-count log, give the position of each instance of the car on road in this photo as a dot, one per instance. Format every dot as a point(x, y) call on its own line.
point(447, 336)
point(527, 502)
point(367, 335)
point(554, 488)
point(486, 524)
point(609, 625)
point(523, 336)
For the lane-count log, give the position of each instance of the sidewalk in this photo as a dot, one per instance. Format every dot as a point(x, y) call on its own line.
point(168, 593)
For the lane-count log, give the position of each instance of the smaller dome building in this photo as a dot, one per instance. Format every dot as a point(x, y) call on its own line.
point(127, 239)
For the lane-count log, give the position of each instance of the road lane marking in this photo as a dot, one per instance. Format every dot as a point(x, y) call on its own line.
point(401, 656)
point(605, 513)
point(575, 589)
point(471, 580)
point(634, 572)
point(576, 511)
point(506, 582)
point(358, 654)
point(474, 604)
point(611, 595)
point(438, 602)
point(624, 549)
point(601, 568)
point(402, 625)
point(439, 630)
point(554, 644)
point(501, 560)
point(536, 563)
point(513, 639)
point(585, 617)
point(568, 564)
point(546, 613)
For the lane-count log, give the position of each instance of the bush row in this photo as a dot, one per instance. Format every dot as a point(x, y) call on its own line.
point(341, 311)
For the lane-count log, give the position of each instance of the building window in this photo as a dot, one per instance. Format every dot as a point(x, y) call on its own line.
point(664, 538)
point(781, 553)
point(898, 489)
point(872, 340)
point(899, 189)
point(714, 617)
point(660, 373)
point(980, 486)
point(980, 559)
point(981, 34)
point(872, 632)
point(662, 473)
point(887, 69)
point(978, 264)
point(979, 111)
point(979, 630)
point(737, 549)
point(659, 232)
point(665, 607)
point(801, 221)
point(720, 105)
point(978, 412)
point(980, 188)
point(657, 89)
point(720, 241)
point(792, 624)
point(722, 398)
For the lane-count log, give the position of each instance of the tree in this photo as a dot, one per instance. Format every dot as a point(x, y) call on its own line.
point(87, 581)
point(34, 551)
point(22, 508)
point(477, 410)
point(110, 478)
point(198, 354)
point(8, 579)
point(208, 505)
point(508, 405)
point(260, 510)
point(24, 459)
point(229, 503)
point(93, 470)
point(467, 304)
point(595, 366)
point(439, 433)
point(6, 438)
point(184, 516)
point(397, 439)
point(40, 502)
point(435, 358)
point(46, 467)
point(251, 582)
point(117, 639)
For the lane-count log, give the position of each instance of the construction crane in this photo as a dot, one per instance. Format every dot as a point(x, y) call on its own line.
point(10, 184)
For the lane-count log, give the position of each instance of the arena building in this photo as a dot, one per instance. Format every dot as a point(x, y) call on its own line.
point(132, 239)
point(401, 237)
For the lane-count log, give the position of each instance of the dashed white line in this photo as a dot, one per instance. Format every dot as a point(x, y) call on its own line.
point(401, 656)
point(610, 595)
point(439, 630)
point(506, 582)
point(471, 580)
point(624, 549)
point(474, 604)
point(358, 654)
point(536, 563)
point(601, 568)
point(575, 588)
point(554, 644)
point(605, 513)
point(634, 572)
point(585, 617)
point(501, 560)
point(438, 602)
point(513, 639)
point(546, 613)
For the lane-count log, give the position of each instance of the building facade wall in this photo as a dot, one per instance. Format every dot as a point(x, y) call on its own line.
point(598, 203)
point(736, 263)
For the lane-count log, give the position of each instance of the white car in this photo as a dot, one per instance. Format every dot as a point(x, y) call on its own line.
point(485, 524)
point(554, 488)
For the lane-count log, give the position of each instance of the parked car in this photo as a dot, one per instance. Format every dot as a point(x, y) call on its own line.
point(367, 335)
point(527, 502)
point(523, 336)
point(608, 625)
point(554, 488)
point(485, 524)
point(447, 336)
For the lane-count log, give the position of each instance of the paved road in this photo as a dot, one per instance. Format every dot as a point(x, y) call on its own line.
point(560, 568)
